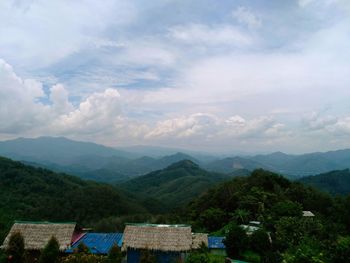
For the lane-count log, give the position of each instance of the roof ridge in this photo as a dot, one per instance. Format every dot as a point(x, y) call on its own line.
point(42, 222)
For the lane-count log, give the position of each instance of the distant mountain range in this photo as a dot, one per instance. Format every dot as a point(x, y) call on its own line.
point(101, 163)
point(285, 164)
point(335, 182)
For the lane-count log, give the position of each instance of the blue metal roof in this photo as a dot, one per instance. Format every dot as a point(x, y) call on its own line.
point(216, 242)
point(98, 243)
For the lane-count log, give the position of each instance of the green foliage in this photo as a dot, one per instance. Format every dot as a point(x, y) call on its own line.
point(15, 250)
point(29, 193)
point(335, 182)
point(83, 258)
point(341, 251)
point(82, 249)
point(308, 251)
point(251, 256)
point(260, 242)
point(197, 257)
point(212, 219)
point(236, 241)
point(51, 252)
point(278, 204)
point(175, 185)
point(115, 255)
point(287, 208)
point(241, 216)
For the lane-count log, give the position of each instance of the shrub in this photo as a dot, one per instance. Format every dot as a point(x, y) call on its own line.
point(51, 252)
point(15, 249)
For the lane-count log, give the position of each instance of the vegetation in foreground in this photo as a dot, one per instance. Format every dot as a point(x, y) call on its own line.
point(284, 234)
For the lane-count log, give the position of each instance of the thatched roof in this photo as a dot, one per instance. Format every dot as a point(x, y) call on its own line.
point(172, 238)
point(198, 239)
point(37, 234)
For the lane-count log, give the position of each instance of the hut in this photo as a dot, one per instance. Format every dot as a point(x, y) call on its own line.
point(216, 245)
point(37, 234)
point(98, 243)
point(308, 214)
point(167, 243)
point(199, 239)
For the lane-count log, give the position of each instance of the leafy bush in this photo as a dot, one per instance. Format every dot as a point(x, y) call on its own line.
point(51, 252)
point(15, 250)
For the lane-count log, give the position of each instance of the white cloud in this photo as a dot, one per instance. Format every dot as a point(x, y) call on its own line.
point(201, 34)
point(97, 112)
point(247, 17)
point(39, 33)
point(315, 121)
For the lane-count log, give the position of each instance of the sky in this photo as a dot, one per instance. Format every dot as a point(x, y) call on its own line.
point(204, 75)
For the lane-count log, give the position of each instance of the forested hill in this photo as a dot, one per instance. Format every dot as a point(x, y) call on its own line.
point(175, 185)
point(335, 182)
point(278, 204)
point(29, 193)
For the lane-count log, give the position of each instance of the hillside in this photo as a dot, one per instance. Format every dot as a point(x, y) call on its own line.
point(175, 185)
point(277, 204)
point(29, 193)
point(335, 182)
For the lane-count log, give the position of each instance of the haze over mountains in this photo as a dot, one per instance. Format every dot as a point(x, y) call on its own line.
point(101, 163)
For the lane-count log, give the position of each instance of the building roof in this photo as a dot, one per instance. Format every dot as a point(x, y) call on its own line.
point(216, 242)
point(198, 239)
point(308, 213)
point(37, 234)
point(98, 243)
point(172, 238)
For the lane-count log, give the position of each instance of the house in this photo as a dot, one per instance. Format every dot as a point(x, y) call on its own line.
point(251, 227)
point(98, 243)
point(168, 243)
point(37, 234)
point(216, 245)
point(199, 239)
point(308, 214)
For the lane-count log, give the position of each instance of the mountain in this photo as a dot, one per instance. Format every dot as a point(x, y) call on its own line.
point(57, 150)
point(84, 159)
point(277, 204)
point(229, 165)
point(29, 193)
point(289, 165)
point(175, 185)
point(335, 182)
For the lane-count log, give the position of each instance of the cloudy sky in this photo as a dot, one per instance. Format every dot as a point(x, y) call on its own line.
point(210, 75)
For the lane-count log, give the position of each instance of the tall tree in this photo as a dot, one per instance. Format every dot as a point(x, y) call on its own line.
point(15, 250)
point(51, 252)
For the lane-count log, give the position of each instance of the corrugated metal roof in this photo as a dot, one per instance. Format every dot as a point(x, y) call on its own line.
point(99, 243)
point(216, 242)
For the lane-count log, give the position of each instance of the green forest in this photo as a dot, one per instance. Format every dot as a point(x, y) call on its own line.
point(216, 204)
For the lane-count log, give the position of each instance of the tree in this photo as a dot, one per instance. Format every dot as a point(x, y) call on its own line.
point(82, 248)
point(236, 241)
point(115, 255)
point(341, 251)
point(15, 250)
point(260, 241)
point(213, 219)
point(287, 208)
point(308, 251)
point(51, 252)
point(241, 215)
point(197, 257)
